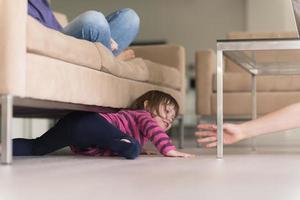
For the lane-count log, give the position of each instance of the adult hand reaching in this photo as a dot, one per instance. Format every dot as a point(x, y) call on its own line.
point(207, 134)
point(283, 119)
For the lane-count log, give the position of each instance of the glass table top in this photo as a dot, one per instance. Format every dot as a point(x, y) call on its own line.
point(279, 56)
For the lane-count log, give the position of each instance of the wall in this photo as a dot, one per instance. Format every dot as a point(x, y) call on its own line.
point(269, 15)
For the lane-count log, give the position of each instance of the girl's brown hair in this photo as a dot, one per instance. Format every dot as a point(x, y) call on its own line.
point(154, 98)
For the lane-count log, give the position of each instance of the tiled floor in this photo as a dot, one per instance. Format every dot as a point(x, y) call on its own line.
point(267, 173)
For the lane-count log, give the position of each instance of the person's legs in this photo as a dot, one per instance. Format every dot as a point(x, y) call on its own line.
point(94, 130)
point(91, 26)
point(81, 129)
point(124, 27)
point(57, 137)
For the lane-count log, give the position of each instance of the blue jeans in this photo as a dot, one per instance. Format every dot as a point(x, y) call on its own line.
point(122, 26)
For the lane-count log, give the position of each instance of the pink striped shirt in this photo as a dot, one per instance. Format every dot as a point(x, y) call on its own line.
point(140, 125)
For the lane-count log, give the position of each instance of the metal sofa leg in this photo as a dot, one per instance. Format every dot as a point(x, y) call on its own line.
point(6, 128)
point(180, 132)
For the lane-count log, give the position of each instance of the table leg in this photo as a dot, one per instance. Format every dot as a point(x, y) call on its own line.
point(254, 105)
point(181, 132)
point(220, 104)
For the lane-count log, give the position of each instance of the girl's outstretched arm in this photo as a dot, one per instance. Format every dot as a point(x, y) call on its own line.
point(151, 130)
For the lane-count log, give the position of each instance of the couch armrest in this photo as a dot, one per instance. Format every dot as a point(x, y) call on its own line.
point(13, 46)
point(205, 68)
point(171, 55)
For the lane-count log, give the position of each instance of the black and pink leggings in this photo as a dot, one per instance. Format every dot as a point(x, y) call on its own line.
point(82, 130)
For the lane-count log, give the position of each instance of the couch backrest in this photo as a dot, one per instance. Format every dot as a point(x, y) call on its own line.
point(263, 56)
point(61, 18)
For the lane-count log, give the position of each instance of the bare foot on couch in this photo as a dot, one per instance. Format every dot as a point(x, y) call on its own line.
point(125, 55)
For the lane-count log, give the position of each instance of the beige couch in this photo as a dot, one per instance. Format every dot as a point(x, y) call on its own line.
point(274, 92)
point(43, 71)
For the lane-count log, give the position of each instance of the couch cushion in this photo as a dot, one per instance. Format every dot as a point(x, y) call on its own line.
point(134, 69)
point(145, 70)
point(240, 82)
point(51, 43)
point(164, 75)
point(169, 55)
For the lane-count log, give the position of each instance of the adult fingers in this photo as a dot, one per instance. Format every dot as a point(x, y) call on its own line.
point(205, 133)
point(207, 139)
point(207, 126)
point(210, 145)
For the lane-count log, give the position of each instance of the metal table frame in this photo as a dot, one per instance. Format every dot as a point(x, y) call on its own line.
point(225, 48)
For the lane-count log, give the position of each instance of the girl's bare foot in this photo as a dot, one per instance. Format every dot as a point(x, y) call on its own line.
point(125, 55)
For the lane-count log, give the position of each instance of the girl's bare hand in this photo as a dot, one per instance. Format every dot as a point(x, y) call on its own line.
point(174, 153)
